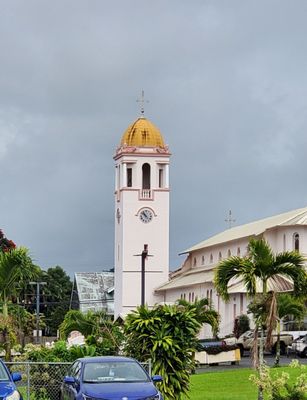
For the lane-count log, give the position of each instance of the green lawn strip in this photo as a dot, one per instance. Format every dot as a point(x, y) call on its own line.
point(229, 385)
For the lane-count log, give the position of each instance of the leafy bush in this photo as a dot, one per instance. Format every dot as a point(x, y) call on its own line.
point(241, 325)
point(58, 353)
point(167, 335)
point(278, 387)
point(98, 329)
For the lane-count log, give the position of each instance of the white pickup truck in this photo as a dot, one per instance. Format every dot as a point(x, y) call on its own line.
point(299, 346)
point(245, 342)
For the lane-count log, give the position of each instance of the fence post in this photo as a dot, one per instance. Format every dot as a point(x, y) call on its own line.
point(149, 367)
point(28, 381)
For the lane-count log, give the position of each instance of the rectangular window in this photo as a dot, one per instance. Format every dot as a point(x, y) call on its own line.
point(129, 177)
point(161, 178)
point(241, 303)
point(234, 311)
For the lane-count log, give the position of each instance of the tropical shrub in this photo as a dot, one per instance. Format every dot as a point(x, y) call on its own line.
point(97, 328)
point(278, 387)
point(168, 335)
point(60, 352)
point(241, 325)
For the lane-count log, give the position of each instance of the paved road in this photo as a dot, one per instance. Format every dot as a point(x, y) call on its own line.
point(246, 363)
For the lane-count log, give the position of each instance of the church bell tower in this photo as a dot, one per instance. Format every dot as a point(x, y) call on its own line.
point(141, 215)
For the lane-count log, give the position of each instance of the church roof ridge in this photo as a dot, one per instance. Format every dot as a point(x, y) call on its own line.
point(254, 228)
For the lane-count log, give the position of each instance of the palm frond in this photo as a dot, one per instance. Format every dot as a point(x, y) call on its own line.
point(231, 268)
point(288, 305)
point(260, 252)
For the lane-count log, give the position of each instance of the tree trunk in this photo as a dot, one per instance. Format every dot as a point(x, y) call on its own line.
point(261, 345)
point(261, 361)
point(7, 345)
point(6, 333)
point(277, 356)
point(5, 311)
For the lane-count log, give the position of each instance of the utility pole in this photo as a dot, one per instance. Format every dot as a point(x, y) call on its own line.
point(38, 284)
point(143, 256)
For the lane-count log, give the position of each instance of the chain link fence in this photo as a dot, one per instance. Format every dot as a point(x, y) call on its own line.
point(42, 380)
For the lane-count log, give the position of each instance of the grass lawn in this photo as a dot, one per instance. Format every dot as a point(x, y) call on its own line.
point(228, 385)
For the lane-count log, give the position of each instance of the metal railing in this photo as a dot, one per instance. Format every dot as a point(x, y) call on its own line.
point(42, 380)
point(146, 194)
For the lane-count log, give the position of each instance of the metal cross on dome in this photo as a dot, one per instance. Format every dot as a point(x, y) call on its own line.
point(142, 101)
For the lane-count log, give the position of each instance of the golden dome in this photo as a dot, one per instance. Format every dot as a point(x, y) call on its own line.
point(142, 133)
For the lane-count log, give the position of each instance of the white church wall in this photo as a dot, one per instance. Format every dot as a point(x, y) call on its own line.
point(272, 238)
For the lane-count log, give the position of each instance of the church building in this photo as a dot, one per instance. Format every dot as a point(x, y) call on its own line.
point(141, 216)
point(284, 232)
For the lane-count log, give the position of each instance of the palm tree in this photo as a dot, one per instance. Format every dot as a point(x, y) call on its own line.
point(94, 326)
point(16, 270)
point(75, 320)
point(260, 265)
point(285, 305)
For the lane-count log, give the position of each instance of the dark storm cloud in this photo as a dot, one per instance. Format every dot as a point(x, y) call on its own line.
point(227, 86)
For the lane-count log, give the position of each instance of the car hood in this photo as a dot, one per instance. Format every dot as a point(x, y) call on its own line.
point(6, 388)
point(118, 390)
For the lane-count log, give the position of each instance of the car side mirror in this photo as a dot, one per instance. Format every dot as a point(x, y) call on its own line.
point(69, 380)
point(157, 378)
point(16, 376)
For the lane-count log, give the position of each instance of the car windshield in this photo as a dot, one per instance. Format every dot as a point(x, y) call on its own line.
point(96, 372)
point(3, 373)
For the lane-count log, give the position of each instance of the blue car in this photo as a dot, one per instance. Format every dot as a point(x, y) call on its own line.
point(8, 390)
point(109, 378)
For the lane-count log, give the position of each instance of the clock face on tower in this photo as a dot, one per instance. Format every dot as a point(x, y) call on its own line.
point(146, 215)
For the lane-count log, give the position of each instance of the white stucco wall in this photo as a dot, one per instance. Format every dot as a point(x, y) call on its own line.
point(131, 233)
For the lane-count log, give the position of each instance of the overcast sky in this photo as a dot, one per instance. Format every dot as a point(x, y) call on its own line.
point(227, 85)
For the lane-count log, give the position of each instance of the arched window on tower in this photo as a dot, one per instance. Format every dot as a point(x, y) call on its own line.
point(146, 176)
point(129, 177)
point(296, 239)
point(146, 192)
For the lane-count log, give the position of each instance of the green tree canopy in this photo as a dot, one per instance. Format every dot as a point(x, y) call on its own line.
point(56, 297)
